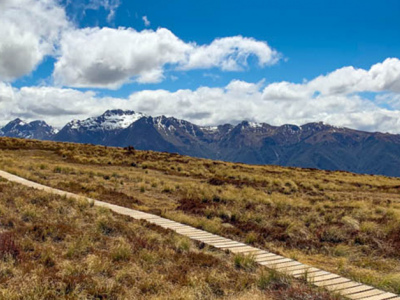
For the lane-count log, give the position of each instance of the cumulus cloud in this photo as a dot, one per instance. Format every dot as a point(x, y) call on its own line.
point(380, 77)
point(113, 57)
point(275, 103)
point(55, 105)
point(286, 91)
point(230, 54)
point(383, 76)
point(206, 106)
point(33, 29)
point(245, 101)
point(29, 30)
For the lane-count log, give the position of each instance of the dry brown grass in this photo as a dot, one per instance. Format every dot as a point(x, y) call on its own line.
point(343, 222)
point(57, 248)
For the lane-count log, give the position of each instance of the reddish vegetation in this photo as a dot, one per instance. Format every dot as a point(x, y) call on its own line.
point(107, 194)
point(8, 246)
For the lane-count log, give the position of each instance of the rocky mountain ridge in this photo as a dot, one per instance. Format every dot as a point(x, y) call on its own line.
point(313, 145)
point(34, 130)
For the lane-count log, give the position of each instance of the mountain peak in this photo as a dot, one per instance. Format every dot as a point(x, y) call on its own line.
point(34, 130)
point(110, 120)
point(13, 124)
point(17, 121)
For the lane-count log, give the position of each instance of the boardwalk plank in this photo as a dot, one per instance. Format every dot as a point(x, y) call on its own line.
point(324, 277)
point(385, 296)
point(365, 294)
point(342, 286)
point(359, 289)
point(332, 281)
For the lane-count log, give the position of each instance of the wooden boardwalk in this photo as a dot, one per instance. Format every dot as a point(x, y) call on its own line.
point(330, 281)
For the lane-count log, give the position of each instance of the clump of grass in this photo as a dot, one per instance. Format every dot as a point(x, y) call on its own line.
point(351, 223)
point(271, 279)
point(182, 244)
point(104, 226)
point(251, 238)
point(245, 262)
point(121, 251)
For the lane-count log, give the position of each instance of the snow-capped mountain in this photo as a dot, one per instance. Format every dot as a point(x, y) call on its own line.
point(313, 145)
point(34, 130)
point(110, 120)
point(98, 130)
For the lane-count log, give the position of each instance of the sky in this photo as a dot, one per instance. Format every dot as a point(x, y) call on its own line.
point(208, 62)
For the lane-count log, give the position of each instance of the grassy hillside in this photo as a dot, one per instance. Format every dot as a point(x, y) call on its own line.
point(57, 248)
point(345, 223)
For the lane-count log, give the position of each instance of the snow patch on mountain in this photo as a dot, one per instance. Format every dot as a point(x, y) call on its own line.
point(210, 129)
point(255, 125)
point(121, 121)
point(110, 120)
point(159, 122)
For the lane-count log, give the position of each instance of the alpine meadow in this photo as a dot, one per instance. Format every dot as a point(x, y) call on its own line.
point(196, 150)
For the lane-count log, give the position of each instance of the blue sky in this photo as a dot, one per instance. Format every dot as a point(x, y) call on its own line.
point(314, 37)
point(311, 39)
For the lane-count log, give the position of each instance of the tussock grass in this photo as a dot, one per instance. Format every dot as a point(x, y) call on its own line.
point(72, 250)
point(342, 222)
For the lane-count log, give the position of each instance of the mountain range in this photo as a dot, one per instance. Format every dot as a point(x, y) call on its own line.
point(39, 130)
point(313, 145)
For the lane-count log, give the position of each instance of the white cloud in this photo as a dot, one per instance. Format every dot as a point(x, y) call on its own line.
point(111, 6)
point(233, 103)
point(230, 54)
point(54, 105)
point(80, 7)
point(146, 21)
point(383, 76)
point(380, 77)
point(244, 101)
point(113, 57)
point(29, 30)
point(108, 57)
point(286, 91)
